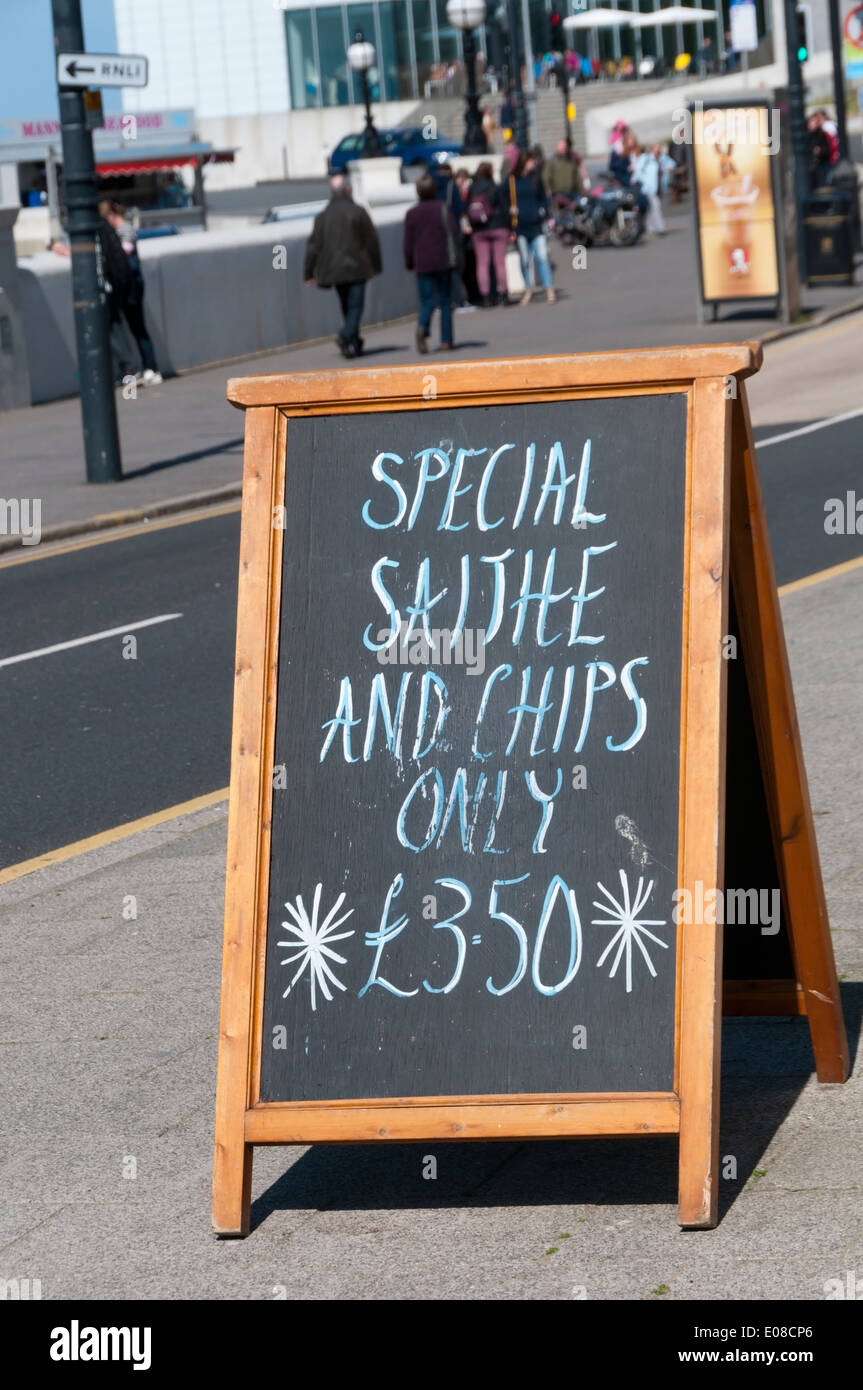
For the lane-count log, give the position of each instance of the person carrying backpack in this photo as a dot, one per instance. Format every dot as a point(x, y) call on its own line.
point(488, 216)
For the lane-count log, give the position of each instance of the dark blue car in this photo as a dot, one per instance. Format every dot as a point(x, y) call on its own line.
point(407, 143)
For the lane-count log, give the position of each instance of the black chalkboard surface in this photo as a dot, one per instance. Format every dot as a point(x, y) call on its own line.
point(479, 762)
point(474, 835)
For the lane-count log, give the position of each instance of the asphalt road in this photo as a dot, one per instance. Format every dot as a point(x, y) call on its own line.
point(94, 738)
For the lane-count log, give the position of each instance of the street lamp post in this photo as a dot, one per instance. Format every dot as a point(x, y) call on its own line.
point(563, 83)
point(838, 79)
point(92, 329)
point(516, 49)
point(361, 57)
point(468, 15)
point(797, 122)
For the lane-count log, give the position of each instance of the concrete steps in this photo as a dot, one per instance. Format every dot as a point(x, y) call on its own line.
point(548, 117)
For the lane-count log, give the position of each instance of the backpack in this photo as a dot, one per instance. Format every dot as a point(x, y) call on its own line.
point(480, 209)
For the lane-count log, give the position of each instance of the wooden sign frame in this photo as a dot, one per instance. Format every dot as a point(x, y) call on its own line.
point(723, 513)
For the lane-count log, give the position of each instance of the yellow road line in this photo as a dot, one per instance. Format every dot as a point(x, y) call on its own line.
point(844, 324)
point(109, 837)
point(818, 578)
point(123, 533)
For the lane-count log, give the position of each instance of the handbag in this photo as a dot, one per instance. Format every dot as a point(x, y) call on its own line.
point(455, 253)
point(514, 277)
point(513, 204)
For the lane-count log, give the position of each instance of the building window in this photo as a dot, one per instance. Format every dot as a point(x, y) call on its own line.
point(424, 41)
point(301, 59)
point(333, 57)
point(447, 36)
point(396, 62)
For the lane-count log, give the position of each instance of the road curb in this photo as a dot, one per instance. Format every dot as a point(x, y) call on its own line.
point(64, 530)
point(790, 330)
point(106, 521)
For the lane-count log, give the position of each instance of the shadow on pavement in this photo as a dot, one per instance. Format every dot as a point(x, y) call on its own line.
point(750, 312)
point(228, 446)
point(766, 1063)
point(376, 352)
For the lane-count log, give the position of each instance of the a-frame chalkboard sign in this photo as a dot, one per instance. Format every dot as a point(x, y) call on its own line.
point(513, 736)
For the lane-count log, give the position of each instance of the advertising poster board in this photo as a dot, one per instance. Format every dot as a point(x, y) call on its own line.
point(852, 41)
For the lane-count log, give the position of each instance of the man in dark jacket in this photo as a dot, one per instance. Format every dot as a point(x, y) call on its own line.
point(342, 253)
point(431, 234)
point(117, 276)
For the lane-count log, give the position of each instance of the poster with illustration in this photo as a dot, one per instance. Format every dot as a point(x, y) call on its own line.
point(852, 40)
point(733, 148)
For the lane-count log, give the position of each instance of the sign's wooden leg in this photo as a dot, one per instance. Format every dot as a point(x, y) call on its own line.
point(232, 1189)
point(249, 812)
point(703, 803)
point(700, 1040)
point(772, 698)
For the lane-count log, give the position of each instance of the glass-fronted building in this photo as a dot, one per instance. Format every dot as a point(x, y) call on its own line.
point(414, 42)
point(417, 49)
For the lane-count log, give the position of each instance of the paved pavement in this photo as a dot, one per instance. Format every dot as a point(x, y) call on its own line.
point(182, 438)
point(109, 1026)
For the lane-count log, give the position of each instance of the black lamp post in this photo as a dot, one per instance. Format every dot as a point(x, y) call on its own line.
point(797, 122)
point(361, 57)
point(468, 15)
point(838, 77)
point(563, 82)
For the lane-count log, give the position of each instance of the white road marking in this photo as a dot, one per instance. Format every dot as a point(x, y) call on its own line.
point(94, 637)
point(808, 429)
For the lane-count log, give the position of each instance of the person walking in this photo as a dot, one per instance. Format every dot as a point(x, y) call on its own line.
point(430, 241)
point(117, 274)
point(564, 173)
point(449, 192)
point(818, 151)
point(528, 208)
point(467, 258)
point(343, 253)
point(488, 216)
point(132, 304)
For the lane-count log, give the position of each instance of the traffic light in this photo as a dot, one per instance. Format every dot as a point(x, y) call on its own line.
point(802, 18)
point(555, 30)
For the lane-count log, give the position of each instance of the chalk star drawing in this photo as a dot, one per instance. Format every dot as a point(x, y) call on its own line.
point(313, 943)
point(630, 927)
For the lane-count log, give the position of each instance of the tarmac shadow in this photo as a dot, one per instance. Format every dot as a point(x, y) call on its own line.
point(229, 446)
point(756, 311)
point(766, 1063)
point(464, 343)
point(405, 1177)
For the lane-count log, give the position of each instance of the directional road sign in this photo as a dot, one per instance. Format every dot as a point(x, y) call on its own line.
point(101, 70)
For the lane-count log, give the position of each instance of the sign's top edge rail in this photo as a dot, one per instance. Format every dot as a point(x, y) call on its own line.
point(498, 377)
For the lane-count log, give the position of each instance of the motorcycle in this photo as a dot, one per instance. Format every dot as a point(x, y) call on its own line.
point(609, 215)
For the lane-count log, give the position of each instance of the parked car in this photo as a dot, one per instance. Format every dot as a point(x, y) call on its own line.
point(407, 143)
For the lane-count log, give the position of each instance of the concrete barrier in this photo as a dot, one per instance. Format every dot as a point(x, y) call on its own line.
point(210, 296)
